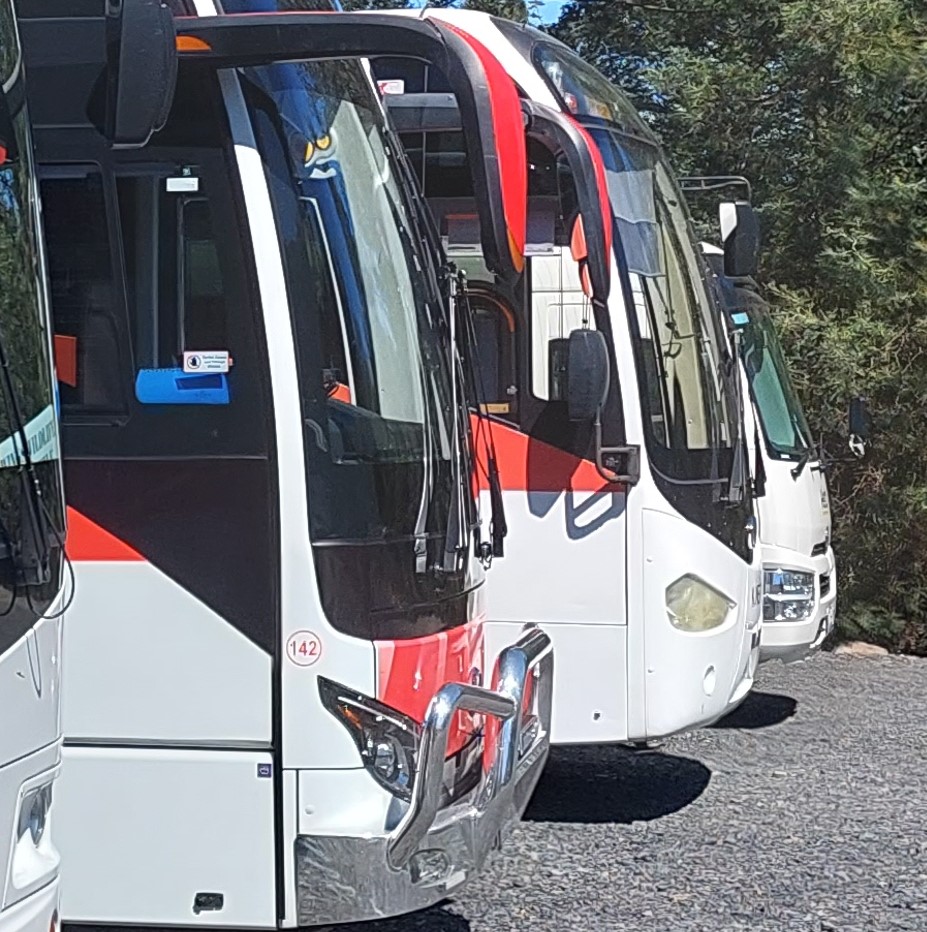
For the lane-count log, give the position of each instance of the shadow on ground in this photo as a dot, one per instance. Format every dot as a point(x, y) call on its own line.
point(760, 710)
point(435, 919)
point(615, 784)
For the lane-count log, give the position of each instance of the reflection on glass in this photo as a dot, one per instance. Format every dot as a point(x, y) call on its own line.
point(27, 403)
point(781, 415)
point(375, 388)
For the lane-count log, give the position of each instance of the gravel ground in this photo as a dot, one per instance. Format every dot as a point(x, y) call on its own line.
point(806, 809)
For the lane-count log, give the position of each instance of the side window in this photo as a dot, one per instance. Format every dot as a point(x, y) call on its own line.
point(157, 330)
point(558, 307)
point(495, 325)
point(87, 326)
point(178, 285)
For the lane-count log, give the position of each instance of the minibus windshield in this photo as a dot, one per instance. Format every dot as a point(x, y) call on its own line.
point(783, 421)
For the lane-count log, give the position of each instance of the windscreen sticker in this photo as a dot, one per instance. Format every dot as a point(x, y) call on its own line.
point(206, 361)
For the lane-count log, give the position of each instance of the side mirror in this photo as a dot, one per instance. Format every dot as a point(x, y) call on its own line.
point(9, 150)
point(740, 233)
point(860, 425)
point(141, 47)
point(587, 374)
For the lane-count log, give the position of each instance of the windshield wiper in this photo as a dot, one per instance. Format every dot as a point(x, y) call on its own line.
point(799, 467)
point(498, 527)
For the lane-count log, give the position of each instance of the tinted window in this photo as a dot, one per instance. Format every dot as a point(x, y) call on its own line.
point(152, 295)
point(87, 321)
point(31, 526)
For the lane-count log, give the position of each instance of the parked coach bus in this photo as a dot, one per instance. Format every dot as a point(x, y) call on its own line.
point(799, 570)
point(632, 522)
point(277, 711)
point(31, 527)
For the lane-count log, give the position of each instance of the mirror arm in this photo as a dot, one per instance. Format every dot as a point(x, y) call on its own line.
point(618, 465)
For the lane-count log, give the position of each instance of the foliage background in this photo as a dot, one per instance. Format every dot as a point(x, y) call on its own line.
point(823, 105)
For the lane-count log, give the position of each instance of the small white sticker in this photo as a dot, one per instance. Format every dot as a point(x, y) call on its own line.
point(206, 361)
point(392, 86)
point(182, 185)
point(304, 648)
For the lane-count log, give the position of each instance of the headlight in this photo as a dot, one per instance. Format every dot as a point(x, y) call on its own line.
point(388, 741)
point(33, 813)
point(693, 605)
point(788, 595)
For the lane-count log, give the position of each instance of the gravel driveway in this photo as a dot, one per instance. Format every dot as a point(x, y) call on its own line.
point(806, 809)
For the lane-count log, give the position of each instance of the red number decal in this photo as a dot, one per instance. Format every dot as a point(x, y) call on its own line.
point(304, 648)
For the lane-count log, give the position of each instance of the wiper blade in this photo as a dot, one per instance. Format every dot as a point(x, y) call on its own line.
point(799, 467)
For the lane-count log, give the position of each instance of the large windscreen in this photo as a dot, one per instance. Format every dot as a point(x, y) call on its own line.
point(382, 431)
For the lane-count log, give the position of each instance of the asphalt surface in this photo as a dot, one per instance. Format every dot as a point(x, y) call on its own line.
point(806, 809)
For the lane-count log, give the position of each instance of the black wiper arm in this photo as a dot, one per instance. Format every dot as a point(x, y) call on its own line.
point(799, 467)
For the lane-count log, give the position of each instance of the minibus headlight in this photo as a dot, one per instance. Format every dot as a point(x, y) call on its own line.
point(33, 813)
point(788, 595)
point(693, 605)
point(387, 740)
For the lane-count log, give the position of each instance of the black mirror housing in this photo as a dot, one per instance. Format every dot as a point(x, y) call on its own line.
point(141, 44)
point(740, 234)
point(860, 419)
point(588, 374)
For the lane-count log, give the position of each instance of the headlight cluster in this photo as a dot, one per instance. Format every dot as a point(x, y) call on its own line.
point(388, 741)
point(33, 813)
point(693, 605)
point(788, 595)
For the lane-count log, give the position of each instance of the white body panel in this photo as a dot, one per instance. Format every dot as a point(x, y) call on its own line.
point(794, 527)
point(161, 826)
point(160, 661)
point(595, 655)
point(30, 755)
point(36, 913)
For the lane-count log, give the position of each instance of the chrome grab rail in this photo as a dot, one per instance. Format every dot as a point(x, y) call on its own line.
point(510, 678)
point(504, 702)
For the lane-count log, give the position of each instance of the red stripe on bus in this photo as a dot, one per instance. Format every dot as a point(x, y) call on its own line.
point(511, 147)
point(88, 542)
point(530, 465)
point(410, 672)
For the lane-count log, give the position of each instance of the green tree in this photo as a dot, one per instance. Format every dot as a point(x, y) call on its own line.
point(518, 10)
point(824, 107)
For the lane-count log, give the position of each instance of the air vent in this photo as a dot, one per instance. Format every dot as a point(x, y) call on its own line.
point(818, 550)
point(825, 584)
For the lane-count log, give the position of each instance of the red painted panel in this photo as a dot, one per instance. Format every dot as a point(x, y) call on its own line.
point(409, 673)
point(66, 359)
point(88, 542)
point(530, 465)
point(510, 144)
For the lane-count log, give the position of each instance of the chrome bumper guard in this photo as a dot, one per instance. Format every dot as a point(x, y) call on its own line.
point(432, 851)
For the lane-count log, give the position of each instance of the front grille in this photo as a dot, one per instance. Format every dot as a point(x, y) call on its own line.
point(825, 584)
